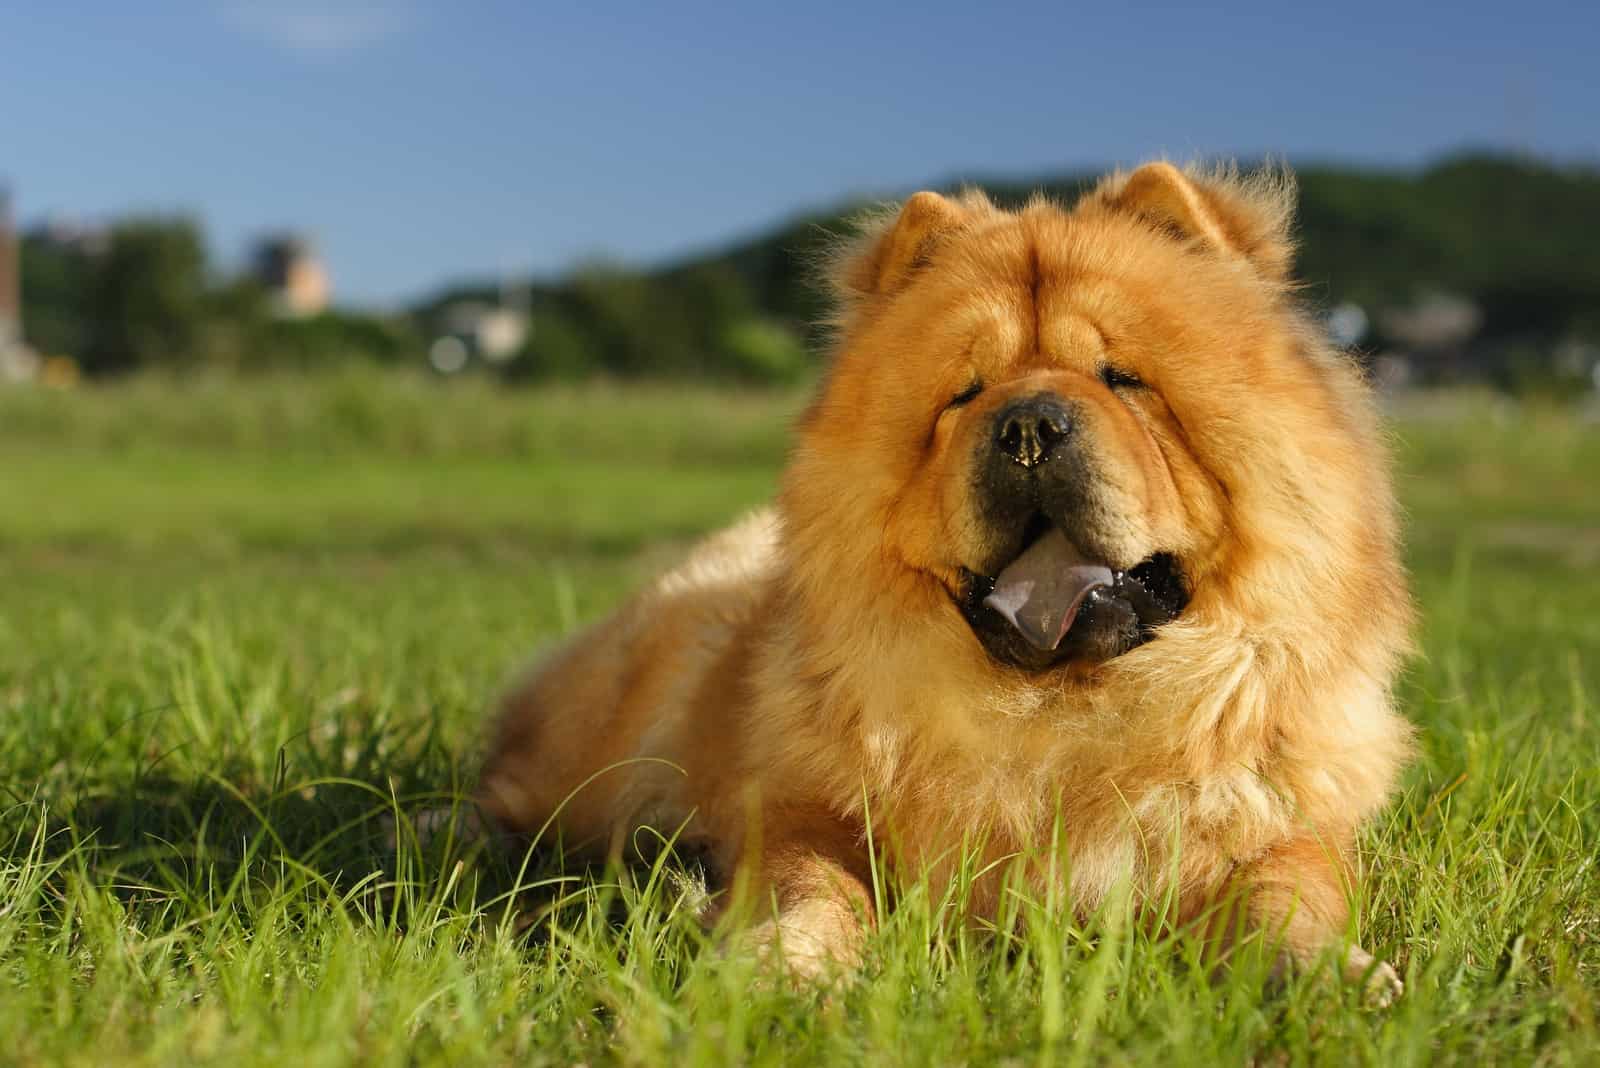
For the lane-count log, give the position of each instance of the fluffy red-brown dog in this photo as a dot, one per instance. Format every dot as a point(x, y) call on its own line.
point(1087, 543)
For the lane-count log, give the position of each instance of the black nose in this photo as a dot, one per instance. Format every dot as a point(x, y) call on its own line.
point(1028, 430)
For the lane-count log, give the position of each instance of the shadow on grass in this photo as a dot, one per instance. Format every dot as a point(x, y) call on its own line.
point(173, 851)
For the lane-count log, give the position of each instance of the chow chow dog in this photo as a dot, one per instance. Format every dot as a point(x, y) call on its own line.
point(1086, 545)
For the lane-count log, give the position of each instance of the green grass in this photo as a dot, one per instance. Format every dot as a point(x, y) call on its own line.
point(241, 625)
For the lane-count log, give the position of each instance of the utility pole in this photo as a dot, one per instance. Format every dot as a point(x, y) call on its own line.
point(10, 273)
point(16, 362)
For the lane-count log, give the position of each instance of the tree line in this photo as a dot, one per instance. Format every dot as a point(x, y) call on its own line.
point(1511, 235)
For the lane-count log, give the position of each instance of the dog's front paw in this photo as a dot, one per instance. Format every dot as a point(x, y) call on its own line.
point(1380, 984)
point(813, 942)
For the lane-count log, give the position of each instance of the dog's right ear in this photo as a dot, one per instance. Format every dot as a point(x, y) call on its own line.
point(893, 247)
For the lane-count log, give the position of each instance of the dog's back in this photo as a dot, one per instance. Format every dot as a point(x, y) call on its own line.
point(634, 703)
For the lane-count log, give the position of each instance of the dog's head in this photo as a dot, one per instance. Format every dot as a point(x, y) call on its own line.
point(1067, 428)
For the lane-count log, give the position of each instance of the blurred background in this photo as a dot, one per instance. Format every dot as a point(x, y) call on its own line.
point(533, 193)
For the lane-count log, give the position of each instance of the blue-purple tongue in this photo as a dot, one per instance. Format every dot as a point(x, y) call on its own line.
point(1041, 591)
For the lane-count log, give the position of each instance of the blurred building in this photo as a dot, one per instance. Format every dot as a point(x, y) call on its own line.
point(1348, 324)
point(63, 233)
point(288, 267)
point(1437, 321)
point(478, 330)
point(1431, 340)
point(16, 361)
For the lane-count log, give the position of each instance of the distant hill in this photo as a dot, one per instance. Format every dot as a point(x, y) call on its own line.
point(1515, 237)
point(1480, 265)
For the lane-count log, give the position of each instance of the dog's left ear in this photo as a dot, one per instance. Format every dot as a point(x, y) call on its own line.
point(1249, 217)
point(892, 247)
point(902, 247)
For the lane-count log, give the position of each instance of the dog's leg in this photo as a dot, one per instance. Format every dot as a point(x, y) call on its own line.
point(1297, 892)
point(811, 879)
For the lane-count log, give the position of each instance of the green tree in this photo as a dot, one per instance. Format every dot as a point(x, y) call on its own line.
point(56, 281)
point(147, 298)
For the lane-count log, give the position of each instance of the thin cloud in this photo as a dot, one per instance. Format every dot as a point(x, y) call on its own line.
point(321, 31)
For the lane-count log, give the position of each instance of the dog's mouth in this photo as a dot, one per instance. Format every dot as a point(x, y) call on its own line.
point(1062, 602)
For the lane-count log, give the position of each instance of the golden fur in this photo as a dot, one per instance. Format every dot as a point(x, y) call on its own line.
point(809, 666)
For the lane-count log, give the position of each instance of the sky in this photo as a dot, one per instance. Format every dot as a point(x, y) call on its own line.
point(420, 142)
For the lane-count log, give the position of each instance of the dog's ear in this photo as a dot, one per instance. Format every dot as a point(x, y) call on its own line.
point(1218, 210)
point(892, 247)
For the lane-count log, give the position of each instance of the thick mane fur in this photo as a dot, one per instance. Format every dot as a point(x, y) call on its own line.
point(1245, 723)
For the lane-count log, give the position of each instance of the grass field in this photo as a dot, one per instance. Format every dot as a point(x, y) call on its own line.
point(239, 626)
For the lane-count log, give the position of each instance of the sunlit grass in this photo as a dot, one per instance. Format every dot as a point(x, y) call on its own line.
point(238, 644)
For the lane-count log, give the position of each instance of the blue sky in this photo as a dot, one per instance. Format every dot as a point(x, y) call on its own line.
point(423, 140)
